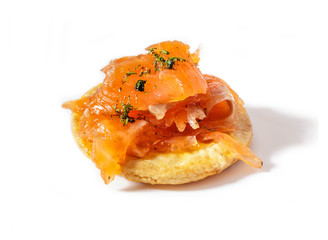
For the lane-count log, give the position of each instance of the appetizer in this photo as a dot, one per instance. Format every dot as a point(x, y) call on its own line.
point(157, 119)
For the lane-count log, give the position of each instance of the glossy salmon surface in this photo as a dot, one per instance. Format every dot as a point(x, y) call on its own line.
point(156, 102)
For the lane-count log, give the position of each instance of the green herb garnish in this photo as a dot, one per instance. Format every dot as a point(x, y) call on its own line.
point(151, 50)
point(116, 109)
point(165, 52)
point(171, 61)
point(144, 72)
point(158, 58)
point(136, 67)
point(129, 73)
point(140, 85)
point(124, 114)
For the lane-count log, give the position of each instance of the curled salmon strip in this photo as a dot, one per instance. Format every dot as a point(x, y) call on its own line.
point(233, 148)
point(217, 105)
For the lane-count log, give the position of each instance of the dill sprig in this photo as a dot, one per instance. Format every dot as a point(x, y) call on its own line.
point(129, 73)
point(168, 63)
point(124, 113)
point(171, 61)
point(140, 85)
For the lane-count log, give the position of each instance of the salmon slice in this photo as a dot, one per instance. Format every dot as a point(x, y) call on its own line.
point(157, 102)
point(167, 72)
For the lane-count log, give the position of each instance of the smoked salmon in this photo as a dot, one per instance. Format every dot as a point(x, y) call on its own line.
point(157, 102)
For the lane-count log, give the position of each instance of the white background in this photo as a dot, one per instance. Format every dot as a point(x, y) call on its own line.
point(273, 53)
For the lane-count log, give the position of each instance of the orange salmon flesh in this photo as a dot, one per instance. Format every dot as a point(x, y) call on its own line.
point(157, 102)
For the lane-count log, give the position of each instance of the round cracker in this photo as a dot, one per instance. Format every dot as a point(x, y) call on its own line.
point(176, 168)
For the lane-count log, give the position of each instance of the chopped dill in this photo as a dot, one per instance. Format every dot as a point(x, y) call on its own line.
point(136, 67)
point(124, 113)
point(171, 61)
point(128, 73)
point(140, 85)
